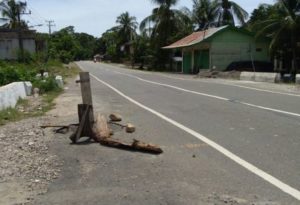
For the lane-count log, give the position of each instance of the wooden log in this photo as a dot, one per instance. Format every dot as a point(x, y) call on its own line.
point(134, 146)
point(100, 128)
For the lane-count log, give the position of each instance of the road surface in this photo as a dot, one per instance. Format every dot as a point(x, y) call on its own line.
point(224, 142)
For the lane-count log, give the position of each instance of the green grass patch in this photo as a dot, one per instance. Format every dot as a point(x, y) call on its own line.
point(14, 114)
point(9, 115)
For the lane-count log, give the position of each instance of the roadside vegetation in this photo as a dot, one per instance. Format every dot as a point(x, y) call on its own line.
point(49, 90)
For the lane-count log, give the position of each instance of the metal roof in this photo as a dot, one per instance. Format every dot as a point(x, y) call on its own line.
point(194, 38)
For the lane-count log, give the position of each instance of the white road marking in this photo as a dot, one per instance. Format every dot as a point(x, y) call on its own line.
point(264, 175)
point(212, 96)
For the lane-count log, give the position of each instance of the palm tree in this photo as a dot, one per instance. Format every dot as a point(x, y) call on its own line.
point(204, 13)
point(163, 25)
point(126, 26)
point(283, 26)
point(228, 11)
point(164, 21)
point(11, 12)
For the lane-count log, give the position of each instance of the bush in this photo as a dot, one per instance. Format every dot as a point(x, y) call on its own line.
point(46, 85)
point(14, 73)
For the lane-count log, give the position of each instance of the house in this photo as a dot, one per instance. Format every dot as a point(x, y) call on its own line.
point(216, 48)
point(11, 41)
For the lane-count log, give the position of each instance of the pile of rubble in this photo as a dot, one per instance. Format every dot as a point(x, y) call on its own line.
point(211, 73)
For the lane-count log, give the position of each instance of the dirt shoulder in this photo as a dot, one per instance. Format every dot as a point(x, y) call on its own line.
point(28, 165)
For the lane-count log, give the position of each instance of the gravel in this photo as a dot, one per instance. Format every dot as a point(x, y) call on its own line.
point(25, 155)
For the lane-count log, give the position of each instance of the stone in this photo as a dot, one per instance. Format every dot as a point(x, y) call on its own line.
point(115, 117)
point(36, 92)
point(130, 128)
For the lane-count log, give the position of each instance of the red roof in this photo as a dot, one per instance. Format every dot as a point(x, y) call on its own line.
point(194, 38)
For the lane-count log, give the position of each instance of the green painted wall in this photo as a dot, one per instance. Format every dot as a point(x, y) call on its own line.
point(224, 48)
point(187, 62)
point(230, 45)
point(201, 59)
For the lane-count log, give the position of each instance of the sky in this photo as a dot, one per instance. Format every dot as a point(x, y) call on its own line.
point(96, 16)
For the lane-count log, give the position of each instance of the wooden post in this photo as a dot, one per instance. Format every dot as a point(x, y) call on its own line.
point(87, 93)
point(85, 110)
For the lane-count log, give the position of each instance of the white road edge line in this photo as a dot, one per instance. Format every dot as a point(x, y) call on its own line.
point(212, 96)
point(267, 177)
point(233, 85)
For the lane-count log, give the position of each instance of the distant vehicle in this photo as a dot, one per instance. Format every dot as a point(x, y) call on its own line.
point(255, 66)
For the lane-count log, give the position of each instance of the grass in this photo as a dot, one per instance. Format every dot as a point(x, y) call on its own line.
point(13, 114)
point(9, 115)
point(66, 71)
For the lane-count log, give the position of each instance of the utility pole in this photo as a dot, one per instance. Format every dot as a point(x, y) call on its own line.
point(20, 11)
point(50, 24)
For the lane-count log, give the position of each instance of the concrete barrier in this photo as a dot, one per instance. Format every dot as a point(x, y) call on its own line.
point(10, 94)
point(298, 79)
point(259, 77)
point(59, 81)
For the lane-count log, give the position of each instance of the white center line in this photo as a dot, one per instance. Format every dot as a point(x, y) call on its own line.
point(264, 175)
point(211, 96)
point(210, 82)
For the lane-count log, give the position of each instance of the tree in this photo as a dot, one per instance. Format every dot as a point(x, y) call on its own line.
point(228, 11)
point(263, 12)
point(204, 13)
point(283, 26)
point(162, 25)
point(11, 12)
point(126, 26)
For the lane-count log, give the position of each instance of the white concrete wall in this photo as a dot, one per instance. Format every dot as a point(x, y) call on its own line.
point(259, 77)
point(298, 79)
point(10, 94)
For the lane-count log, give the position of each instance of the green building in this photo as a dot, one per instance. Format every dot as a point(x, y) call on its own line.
point(218, 47)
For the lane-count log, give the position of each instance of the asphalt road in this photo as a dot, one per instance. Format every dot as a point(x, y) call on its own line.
point(224, 143)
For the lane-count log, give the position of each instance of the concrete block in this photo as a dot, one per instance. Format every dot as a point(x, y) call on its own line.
point(247, 76)
point(10, 94)
point(259, 77)
point(59, 81)
point(265, 77)
point(46, 75)
point(278, 78)
point(298, 79)
point(28, 88)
